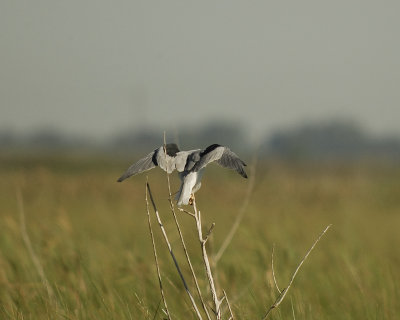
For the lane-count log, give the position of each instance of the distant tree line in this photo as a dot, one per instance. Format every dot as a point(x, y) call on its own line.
point(331, 140)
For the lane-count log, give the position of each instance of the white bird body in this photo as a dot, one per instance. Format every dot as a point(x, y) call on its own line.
point(190, 165)
point(164, 160)
point(190, 183)
point(181, 158)
point(185, 191)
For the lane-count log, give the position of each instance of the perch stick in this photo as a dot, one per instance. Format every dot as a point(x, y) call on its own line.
point(155, 258)
point(210, 278)
point(172, 254)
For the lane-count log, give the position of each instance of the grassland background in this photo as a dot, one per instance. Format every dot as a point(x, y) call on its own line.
point(91, 236)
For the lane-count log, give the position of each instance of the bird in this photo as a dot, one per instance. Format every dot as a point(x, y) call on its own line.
point(189, 164)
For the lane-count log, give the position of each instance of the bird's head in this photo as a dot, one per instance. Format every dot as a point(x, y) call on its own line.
point(171, 149)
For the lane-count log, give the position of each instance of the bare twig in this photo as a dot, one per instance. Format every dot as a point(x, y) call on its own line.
point(155, 258)
point(187, 212)
point(273, 270)
point(172, 207)
point(209, 232)
point(217, 302)
point(285, 290)
point(173, 255)
point(32, 254)
point(241, 213)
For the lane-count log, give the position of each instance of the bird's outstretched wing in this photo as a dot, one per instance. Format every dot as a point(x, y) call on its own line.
point(223, 156)
point(164, 157)
point(147, 163)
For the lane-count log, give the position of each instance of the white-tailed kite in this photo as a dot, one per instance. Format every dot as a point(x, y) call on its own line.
point(190, 165)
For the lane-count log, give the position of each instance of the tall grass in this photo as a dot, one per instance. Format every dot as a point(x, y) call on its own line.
point(90, 235)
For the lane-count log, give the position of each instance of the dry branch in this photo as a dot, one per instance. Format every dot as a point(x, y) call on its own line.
point(155, 257)
point(216, 301)
point(285, 290)
point(187, 212)
point(172, 254)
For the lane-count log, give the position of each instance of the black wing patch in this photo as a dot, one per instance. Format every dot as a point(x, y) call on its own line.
point(209, 149)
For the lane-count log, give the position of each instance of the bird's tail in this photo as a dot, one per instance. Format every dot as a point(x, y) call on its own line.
point(186, 188)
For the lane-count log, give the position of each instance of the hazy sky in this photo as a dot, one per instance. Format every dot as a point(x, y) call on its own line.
point(97, 67)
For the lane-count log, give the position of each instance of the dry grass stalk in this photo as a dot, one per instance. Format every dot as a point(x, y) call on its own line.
point(172, 254)
point(285, 290)
point(229, 306)
point(172, 207)
point(216, 301)
point(241, 213)
point(32, 254)
point(155, 257)
point(273, 269)
point(291, 302)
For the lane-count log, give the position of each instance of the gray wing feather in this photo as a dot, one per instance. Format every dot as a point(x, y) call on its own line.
point(231, 161)
point(144, 164)
point(224, 157)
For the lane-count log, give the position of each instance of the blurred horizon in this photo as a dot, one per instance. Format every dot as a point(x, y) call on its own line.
point(322, 140)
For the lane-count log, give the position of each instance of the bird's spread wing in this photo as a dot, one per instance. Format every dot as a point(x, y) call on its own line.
point(230, 160)
point(147, 163)
point(223, 156)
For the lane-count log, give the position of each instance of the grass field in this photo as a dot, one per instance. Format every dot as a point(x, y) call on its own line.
point(91, 237)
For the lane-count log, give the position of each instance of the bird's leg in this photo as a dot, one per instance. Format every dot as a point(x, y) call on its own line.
point(191, 199)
